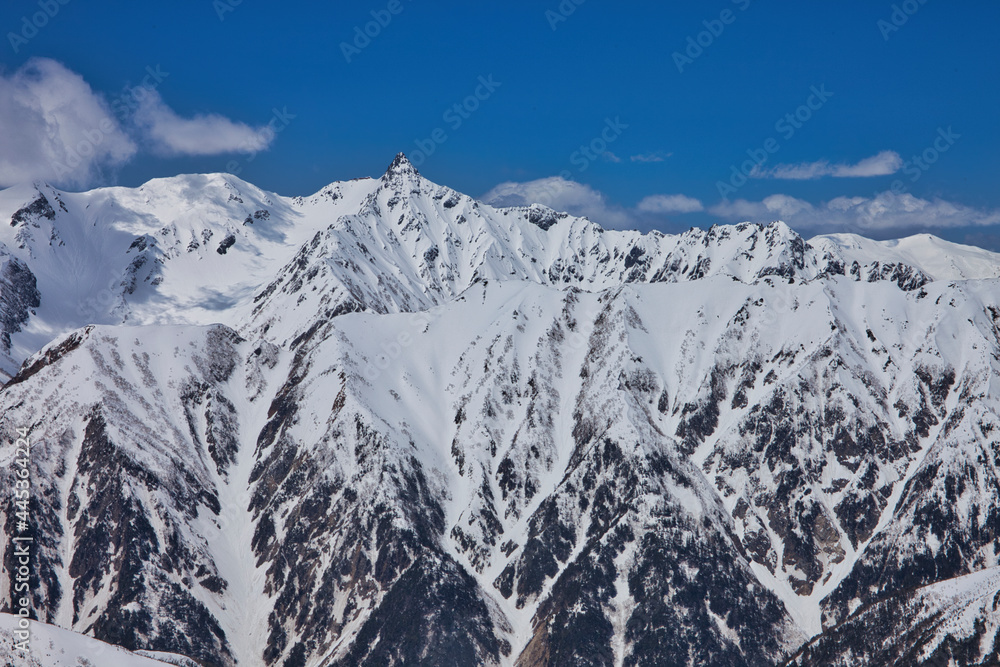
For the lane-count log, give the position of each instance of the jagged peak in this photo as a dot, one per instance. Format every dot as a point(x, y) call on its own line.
point(401, 166)
point(775, 226)
point(544, 217)
point(772, 230)
point(780, 227)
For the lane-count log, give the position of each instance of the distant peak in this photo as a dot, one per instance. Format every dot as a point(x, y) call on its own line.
point(401, 165)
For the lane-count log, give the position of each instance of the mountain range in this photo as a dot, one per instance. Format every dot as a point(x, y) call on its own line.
point(389, 424)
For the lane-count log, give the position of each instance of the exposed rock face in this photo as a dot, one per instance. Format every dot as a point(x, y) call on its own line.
point(39, 208)
point(18, 296)
point(445, 434)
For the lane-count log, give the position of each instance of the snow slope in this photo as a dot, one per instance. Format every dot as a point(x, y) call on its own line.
point(52, 646)
point(153, 254)
point(939, 259)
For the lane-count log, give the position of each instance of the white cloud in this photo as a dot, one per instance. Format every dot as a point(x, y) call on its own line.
point(670, 204)
point(775, 207)
point(209, 134)
point(562, 195)
point(885, 211)
point(582, 200)
point(56, 128)
point(879, 215)
point(883, 164)
point(650, 157)
point(611, 157)
point(796, 172)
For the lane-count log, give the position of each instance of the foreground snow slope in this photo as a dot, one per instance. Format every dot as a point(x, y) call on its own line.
point(52, 646)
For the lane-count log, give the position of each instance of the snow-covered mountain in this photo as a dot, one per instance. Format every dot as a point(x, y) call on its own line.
point(391, 425)
point(211, 248)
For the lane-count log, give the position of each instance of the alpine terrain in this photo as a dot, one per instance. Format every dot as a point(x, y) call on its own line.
point(388, 424)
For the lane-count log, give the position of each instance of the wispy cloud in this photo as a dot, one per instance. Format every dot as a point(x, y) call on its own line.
point(883, 164)
point(611, 157)
point(562, 195)
point(208, 134)
point(670, 204)
point(650, 157)
point(885, 211)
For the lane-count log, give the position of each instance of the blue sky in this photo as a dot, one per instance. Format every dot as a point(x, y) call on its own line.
point(677, 97)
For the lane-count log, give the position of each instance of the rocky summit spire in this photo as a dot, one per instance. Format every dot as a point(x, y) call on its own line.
point(401, 166)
